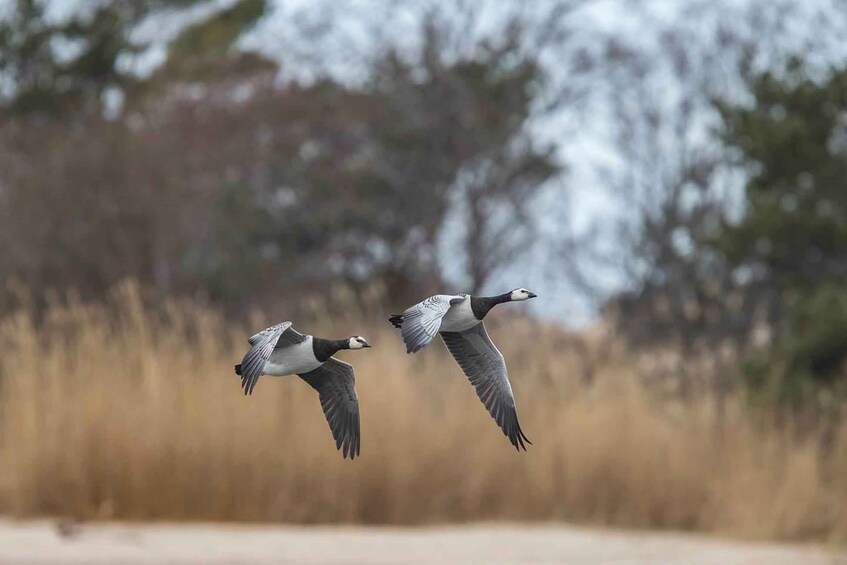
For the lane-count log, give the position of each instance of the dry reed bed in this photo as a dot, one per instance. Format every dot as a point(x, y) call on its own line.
point(114, 411)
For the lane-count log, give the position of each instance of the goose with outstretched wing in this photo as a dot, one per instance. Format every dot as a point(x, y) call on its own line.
point(280, 350)
point(458, 319)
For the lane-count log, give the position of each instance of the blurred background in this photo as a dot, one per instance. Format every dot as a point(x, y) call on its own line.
point(669, 177)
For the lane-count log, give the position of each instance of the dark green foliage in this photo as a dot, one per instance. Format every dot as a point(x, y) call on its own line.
point(794, 142)
point(217, 34)
point(29, 64)
point(792, 242)
point(815, 338)
point(61, 69)
point(228, 264)
point(204, 50)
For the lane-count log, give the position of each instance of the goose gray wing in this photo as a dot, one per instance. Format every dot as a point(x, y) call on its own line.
point(263, 344)
point(485, 367)
point(292, 336)
point(336, 386)
point(421, 322)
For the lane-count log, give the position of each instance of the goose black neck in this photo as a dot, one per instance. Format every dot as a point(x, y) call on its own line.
point(326, 348)
point(481, 305)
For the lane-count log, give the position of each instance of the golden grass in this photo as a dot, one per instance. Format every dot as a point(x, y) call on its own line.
point(117, 411)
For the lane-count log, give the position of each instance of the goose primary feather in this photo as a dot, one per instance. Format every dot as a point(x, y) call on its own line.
point(280, 350)
point(458, 318)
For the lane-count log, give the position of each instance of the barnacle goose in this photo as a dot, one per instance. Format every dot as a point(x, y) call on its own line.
point(458, 319)
point(280, 350)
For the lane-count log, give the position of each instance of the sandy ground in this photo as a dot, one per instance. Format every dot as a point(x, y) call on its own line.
point(124, 544)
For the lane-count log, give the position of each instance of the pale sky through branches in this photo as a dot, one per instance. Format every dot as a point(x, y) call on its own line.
point(318, 37)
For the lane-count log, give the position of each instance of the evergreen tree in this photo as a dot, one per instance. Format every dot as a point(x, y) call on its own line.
point(791, 246)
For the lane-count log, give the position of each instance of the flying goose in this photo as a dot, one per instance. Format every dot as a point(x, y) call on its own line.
point(458, 319)
point(280, 350)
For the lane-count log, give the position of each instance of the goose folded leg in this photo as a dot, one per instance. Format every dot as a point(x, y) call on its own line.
point(485, 367)
point(336, 386)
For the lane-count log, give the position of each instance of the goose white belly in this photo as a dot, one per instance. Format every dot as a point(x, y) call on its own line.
point(292, 360)
point(459, 317)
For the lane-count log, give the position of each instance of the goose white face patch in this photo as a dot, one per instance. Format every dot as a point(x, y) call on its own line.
point(521, 294)
point(358, 342)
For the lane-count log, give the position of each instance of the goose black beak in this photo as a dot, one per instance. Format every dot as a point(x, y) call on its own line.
point(532, 295)
point(367, 345)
